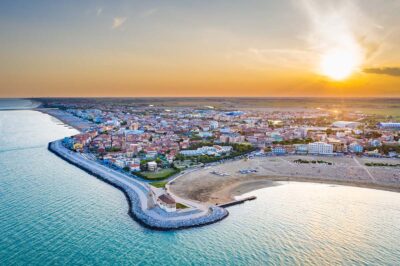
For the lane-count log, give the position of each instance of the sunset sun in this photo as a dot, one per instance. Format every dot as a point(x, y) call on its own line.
point(339, 64)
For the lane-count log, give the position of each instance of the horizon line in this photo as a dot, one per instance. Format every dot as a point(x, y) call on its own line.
point(202, 97)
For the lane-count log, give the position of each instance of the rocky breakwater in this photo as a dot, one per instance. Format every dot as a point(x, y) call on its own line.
point(137, 192)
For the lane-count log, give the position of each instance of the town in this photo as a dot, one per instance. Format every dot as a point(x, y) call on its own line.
point(147, 139)
point(156, 143)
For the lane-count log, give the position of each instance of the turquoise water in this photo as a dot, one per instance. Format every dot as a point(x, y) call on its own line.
point(53, 213)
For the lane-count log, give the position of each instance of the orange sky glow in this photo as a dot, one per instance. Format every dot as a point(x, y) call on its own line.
point(262, 48)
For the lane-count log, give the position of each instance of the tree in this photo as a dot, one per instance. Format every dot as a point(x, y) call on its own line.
point(143, 165)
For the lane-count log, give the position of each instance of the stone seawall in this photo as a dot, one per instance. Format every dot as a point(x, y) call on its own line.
point(134, 192)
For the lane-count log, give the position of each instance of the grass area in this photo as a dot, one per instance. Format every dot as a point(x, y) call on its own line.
point(239, 149)
point(313, 161)
point(382, 164)
point(160, 184)
point(293, 141)
point(158, 175)
point(181, 206)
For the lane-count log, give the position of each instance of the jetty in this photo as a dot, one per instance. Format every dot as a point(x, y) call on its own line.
point(137, 193)
point(236, 202)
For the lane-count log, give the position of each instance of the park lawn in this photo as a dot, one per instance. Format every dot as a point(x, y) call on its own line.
point(181, 206)
point(160, 174)
point(160, 184)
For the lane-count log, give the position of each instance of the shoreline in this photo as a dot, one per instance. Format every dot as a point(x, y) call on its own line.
point(203, 186)
point(236, 189)
point(66, 118)
point(241, 188)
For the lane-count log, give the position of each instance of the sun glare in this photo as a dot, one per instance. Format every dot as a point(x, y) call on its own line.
point(339, 64)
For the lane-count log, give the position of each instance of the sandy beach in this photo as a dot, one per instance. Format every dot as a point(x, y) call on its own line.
point(67, 118)
point(204, 186)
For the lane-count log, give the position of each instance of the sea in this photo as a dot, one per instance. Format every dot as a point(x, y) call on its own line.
point(52, 213)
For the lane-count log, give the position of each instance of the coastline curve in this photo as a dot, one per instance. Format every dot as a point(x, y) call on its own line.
point(135, 193)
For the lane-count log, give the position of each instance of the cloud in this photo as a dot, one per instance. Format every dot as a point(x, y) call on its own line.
point(390, 71)
point(118, 22)
point(342, 25)
point(285, 58)
point(333, 26)
point(148, 12)
point(99, 11)
point(261, 59)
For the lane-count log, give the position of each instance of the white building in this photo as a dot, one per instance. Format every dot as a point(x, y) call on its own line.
point(207, 150)
point(301, 148)
point(119, 163)
point(346, 124)
point(214, 125)
point(320, 148)
point(166, 202)
point(152, 166)
point(389, 125)
point(159, 197)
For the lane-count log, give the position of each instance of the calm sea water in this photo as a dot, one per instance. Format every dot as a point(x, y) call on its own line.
point(53, 213)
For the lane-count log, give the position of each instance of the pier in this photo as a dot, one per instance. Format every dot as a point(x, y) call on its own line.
point(236, 202)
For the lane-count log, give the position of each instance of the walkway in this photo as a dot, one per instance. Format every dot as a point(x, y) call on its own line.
point(137, 193)
point(365, 168)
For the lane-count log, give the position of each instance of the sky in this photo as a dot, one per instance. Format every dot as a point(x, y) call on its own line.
point(200, 48)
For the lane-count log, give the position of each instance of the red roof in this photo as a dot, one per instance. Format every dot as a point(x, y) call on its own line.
point(167, 199)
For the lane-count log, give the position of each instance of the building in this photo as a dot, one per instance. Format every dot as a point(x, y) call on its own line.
point(225, 130)
point(213, 125)
point(224, 138)
point(166, 202)
point(119, 163)
point(389, 125)
point(159, 197)
point(320, 148)
point(278, 150)
point(78, 146)
point(356, 148)
point(374, 153)
point(134, 126)
point(276, 136)
point(68, 142)
point(375, 143)
point(134, 167)
point(338, 146)
point(301, 148)
point(205, 134)
point(134, 148)
point(346, 124)
point(152, 166)
point(207, 150)
point(231, 138)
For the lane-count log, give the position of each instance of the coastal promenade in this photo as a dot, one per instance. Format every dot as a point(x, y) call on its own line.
point(137, 196)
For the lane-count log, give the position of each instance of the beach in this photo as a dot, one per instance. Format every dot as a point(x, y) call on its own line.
point(67, 118)
point(204, 186)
